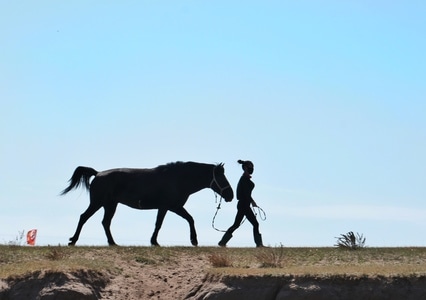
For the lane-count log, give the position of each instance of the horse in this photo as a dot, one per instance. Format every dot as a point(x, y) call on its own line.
point(166, 188)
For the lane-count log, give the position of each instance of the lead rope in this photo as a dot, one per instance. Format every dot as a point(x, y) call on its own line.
point(217, 210)
point(220, 200)
point(260, 212)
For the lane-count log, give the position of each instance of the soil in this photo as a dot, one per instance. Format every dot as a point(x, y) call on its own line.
point(190, 278)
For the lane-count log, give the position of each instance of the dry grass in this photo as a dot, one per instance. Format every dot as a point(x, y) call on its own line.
point(21, 260)
point(220, 260)
point(271, 257)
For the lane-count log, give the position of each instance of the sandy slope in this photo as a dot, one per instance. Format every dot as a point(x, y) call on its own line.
point(174, 281)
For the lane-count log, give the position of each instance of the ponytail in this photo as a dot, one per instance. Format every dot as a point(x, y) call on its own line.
point(244, 163)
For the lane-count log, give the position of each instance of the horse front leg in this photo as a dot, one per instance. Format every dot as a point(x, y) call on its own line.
point(160, 218)
point(184, 214)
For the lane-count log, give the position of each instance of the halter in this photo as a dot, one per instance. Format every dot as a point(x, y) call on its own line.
point(214, 180)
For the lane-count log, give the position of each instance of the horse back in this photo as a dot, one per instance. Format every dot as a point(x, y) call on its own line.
point(137, 188)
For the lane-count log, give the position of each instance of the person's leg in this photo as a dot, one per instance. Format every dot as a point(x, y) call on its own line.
point(228, 234)
point(256, 234)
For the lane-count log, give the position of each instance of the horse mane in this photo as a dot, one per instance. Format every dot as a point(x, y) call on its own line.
point(178, 165)
point(170, 166)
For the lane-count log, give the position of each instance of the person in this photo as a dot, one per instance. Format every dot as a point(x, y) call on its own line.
point(244, 189)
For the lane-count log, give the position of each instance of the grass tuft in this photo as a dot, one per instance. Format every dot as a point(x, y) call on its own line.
point(220, 260)
point(146, 260)
point(271, 257)
point(55, 253)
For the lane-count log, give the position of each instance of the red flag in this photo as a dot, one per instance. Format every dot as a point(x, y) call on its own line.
point(31, 237)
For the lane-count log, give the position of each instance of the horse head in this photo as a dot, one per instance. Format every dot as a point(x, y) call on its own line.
point(220, 184)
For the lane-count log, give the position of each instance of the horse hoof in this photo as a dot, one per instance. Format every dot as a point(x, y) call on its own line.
point(154, 243)
point(194, 243)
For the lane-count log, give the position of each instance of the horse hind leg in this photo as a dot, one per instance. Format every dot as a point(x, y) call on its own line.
point(83, 219)
point(106, 222)
point(184, 214)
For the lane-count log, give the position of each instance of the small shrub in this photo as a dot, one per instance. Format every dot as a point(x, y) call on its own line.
point(351, 241)
point(18, 239)
point(220, 260)
point(271, 257)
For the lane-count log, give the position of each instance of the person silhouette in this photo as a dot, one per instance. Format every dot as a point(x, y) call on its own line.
point(244, 188)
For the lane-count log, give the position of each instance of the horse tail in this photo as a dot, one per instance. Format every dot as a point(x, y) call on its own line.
point(81, 176)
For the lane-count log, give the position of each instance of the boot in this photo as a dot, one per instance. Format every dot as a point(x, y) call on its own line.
point(258, 240)
point(226, 237)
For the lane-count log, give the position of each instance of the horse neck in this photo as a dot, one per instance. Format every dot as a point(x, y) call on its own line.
point(199, 176)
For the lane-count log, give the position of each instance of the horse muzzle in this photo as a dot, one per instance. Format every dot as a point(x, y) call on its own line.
point(228, 195)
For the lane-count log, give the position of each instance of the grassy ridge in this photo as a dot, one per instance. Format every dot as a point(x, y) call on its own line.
point(18, 261)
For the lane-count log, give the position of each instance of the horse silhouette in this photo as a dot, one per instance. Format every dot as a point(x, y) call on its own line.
point(166, 188)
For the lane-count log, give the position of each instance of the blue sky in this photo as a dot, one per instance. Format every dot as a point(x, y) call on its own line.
point(326, 98)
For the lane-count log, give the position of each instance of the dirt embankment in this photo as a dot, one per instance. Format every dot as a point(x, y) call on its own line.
point(93, 285)
point(308, 287)
point(55, 285)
